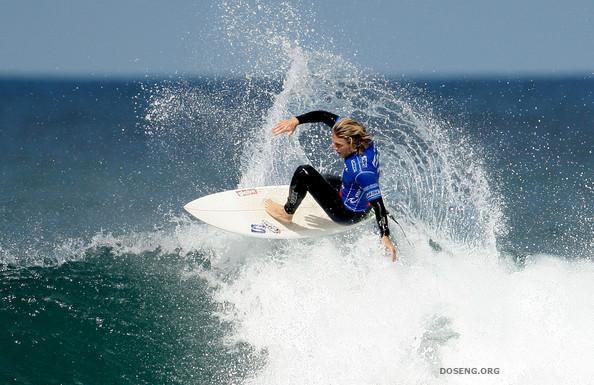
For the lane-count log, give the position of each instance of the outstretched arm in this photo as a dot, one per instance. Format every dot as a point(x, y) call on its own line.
point(325, 117)
point(381, 216)
point(289, 125)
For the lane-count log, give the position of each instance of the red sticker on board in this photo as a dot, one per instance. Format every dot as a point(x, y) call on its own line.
point(246, 192)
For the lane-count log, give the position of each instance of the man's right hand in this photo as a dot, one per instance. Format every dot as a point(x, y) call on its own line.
point(288, 126)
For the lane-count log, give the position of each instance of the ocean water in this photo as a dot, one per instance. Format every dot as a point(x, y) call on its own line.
point(104, 279)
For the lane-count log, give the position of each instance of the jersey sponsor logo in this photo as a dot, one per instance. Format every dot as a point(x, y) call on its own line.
point(371, 187)
point(373, 194)
point(364, 161)
point(354, 165)
point(355, 199)
point(246, 192)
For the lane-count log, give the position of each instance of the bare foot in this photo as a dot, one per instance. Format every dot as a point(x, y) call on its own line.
point(277, 211)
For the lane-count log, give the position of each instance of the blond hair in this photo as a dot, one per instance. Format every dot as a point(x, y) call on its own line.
point(354, 133)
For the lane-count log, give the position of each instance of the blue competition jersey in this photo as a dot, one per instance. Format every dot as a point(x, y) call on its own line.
point(360, 180)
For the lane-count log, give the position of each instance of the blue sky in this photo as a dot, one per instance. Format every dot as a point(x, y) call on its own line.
point(398, 37)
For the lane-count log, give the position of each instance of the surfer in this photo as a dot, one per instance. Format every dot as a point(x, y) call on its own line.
point(348, 199)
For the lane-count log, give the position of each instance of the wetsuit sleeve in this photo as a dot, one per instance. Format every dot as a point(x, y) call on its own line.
point(381, 216)
point(318, 116)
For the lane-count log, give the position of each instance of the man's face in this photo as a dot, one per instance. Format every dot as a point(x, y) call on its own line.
point(341, 146)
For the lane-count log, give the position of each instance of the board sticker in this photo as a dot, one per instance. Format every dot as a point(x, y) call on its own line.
point(257, 228)
point(246, 192)
point(264, 227)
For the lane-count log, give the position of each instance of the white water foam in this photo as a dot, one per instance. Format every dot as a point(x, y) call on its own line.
point(328, 312)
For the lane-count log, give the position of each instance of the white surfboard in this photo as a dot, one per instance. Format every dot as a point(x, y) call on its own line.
point(242, 211)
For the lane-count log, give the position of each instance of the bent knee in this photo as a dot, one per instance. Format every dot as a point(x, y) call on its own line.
point(304, 169)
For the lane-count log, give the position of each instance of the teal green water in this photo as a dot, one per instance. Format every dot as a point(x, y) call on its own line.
point(114, 319)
